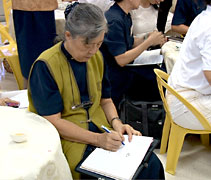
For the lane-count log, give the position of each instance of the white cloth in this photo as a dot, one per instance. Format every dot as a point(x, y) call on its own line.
point(39, 157)
point(195, 56)
point(145, 20)
point(187, 76)
point(103, 4)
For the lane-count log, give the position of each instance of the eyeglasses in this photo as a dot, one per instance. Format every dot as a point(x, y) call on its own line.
point(85, 105)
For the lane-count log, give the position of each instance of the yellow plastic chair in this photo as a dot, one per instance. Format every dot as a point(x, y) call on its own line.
point(177, 133)
point(7, 5)
point(9, 52)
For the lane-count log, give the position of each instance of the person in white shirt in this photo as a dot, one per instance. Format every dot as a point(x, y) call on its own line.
point(191, 75)
point(145, 18)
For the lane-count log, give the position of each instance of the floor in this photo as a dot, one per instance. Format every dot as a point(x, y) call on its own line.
point(195, 159)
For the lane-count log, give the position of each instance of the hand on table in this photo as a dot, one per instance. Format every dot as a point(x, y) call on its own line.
point(5, 101)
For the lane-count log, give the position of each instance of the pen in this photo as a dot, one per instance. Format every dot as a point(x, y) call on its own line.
point(108, 131)
point(11, 104)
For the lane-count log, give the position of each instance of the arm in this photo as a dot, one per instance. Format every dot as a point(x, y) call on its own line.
point(180, 19)
point(181, 29)
point(208, 76)
point(72, 132)
point(155, 38)
point(110, 112)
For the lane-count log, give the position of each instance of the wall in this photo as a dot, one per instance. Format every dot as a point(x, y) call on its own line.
point(1, 12)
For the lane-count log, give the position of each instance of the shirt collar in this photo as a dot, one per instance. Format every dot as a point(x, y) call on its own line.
point(65, 52)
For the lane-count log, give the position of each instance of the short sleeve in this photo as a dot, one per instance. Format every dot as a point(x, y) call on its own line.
point(115, 37)
point(45, 93)
point(180, 13)
point(206, 52)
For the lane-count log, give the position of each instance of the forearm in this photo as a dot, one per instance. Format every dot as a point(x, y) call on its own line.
point(208, 76)
point(109, 109)
point(181, 29)
point(138, 41)
point(72, 132)
point(132, 54)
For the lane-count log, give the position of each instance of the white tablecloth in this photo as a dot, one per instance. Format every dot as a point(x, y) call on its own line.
point(170, 51)
point(39, 157)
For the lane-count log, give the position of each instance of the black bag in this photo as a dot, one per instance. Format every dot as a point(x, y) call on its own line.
point(146, 117)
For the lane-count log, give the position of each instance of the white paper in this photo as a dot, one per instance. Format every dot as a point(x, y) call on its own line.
point(121, 164)
point(21, 97)
point(149, 57)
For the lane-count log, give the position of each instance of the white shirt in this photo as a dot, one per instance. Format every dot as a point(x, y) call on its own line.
point(145, 20)
point(195, 56)
point(103, 4)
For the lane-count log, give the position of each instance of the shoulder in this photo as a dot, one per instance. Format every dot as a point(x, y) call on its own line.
point(52, 54)
point(114, 14)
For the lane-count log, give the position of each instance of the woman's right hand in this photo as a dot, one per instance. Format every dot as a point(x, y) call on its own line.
point(156, 38)
point(110, 141)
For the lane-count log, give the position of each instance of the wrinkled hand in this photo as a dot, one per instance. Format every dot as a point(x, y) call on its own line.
point(110, 141)
point(125, 128)
point(157, 38)
point(4, 101)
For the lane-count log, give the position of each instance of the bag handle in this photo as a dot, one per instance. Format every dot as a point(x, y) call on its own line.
point(145, 121)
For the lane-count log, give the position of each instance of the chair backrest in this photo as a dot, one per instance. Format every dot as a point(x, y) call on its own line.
point(7, 5)
point(10, 53)
point(162, 79)
point(6, 35)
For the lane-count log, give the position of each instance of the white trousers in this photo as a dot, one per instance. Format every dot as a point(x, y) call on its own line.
point(182, 116)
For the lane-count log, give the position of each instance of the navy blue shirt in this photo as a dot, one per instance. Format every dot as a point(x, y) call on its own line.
point(186, 11)
point(45, 93)
point(117, 40)
point(119, 37)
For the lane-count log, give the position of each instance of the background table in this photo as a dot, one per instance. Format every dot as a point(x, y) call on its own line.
point(170, 51)
point(40, 157)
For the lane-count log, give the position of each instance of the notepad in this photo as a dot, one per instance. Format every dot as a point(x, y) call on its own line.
point(121, 164)
point(149, 57)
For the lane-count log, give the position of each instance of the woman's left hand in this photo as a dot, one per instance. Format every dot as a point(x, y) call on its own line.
point(125, 128)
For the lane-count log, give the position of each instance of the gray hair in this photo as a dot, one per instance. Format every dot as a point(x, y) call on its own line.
point(86, 20)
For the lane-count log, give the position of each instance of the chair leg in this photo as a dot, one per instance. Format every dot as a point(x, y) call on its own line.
point(175, 144)
point(205, 139)
point(165, 135)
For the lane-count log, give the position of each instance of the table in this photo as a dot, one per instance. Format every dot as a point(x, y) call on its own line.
point(170, 51)
point(39, 157)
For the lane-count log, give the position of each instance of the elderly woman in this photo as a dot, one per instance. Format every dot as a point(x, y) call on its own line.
point(191, 75)
point(70, 88)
